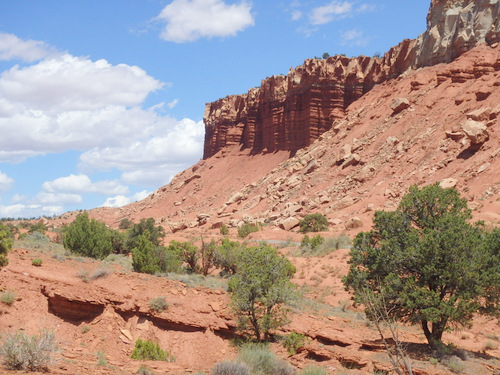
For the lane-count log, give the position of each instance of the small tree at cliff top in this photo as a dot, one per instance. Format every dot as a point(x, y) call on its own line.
point(430, 265)
point(260, 289)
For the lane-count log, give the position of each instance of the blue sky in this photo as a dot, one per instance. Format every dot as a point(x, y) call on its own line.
point(101, 102)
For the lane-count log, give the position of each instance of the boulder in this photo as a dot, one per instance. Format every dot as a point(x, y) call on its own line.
point(475, 131)
point(353, 159)
point(353, 223)
point(289, 223)
point(448, 183)
point(480, 114)
point(399, 104)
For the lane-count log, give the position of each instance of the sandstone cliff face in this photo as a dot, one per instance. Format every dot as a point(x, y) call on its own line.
point(290, 112)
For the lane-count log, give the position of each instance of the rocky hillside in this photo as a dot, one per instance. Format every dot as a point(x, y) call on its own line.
point(289, 112)
point(428, 111)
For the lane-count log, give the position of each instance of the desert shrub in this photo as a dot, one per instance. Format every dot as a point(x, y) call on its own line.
point(85, 329)
point(8, 297)
point(262, 361)
point(99, 273)
point(168, 261)
point(143, 370)
point(314, 370)
point(334, 243)
point(118, 240)
point(260, 290)
point(36, 262)
point(246, 229)
point(144, 256)
point(20, 351)
point(431, 266)
point(6, 241)
point(146, 227)
point(224, 230)
point(148, 350)
point(186, 251)
point(101, 358)
point(88, 237)
point(207, 256)
point(313, 223)
point(125, 224)
point(227, 255)
point(83, 274)
point(294, 341)
point(37, 227)
point(158, 304)
point(311, 244)
point(230, 368)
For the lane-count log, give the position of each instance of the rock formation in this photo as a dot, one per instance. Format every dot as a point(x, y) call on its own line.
point(289, 112)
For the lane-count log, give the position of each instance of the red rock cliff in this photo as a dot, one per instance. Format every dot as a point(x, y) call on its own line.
point(290, 112)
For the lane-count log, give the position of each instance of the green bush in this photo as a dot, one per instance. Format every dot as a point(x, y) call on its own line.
point(38, 227)
point(8, 297)
point(262, 361)
point(99, 273)
point(294, 341)
point(6, 242)
point(158, 304)
point(230, 368)
point(37, 262)
point(143, 370)
point(146, 227)
point(224, 230)
point(313, 223)
point(125, 224)
point(186, 251)
point(260, 290)
point(20, 351)
point(246, 229)
point(425, 264)
point(88, 237)
point(227, 256)
point(150, 351)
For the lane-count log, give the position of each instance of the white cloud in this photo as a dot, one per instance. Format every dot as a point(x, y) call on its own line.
point(173, 103)
point(151, 161)
point(12, 47)
point(6, 182)
point(58, 199)
point(74, 83)
point(81, 184)
point(354, 37)
point(28, 211)
point(189, 20)
point(122, 200)
point(296, 15)
point(68, 102)
point(327, 13)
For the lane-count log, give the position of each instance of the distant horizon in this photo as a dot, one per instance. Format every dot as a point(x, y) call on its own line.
point(101, 105)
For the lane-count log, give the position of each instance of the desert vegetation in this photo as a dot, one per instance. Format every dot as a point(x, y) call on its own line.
point(427, 263)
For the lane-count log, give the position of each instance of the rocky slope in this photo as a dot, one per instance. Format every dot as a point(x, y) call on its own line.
point(289, 112)
point(426, 112)
point(96, 320)
point(434, 124)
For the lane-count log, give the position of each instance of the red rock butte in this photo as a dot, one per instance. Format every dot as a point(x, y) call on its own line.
point(290, 112)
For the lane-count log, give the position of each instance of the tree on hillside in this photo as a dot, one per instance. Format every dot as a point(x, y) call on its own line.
point(88, 237)
point(432, 267)
point(6, 241)
point(155, 233)
point(260, 289)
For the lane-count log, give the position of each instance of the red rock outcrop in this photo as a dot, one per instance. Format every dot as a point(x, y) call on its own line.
point(290, 112)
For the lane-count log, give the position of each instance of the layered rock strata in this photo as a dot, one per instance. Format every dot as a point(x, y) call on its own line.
point(290, 112)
